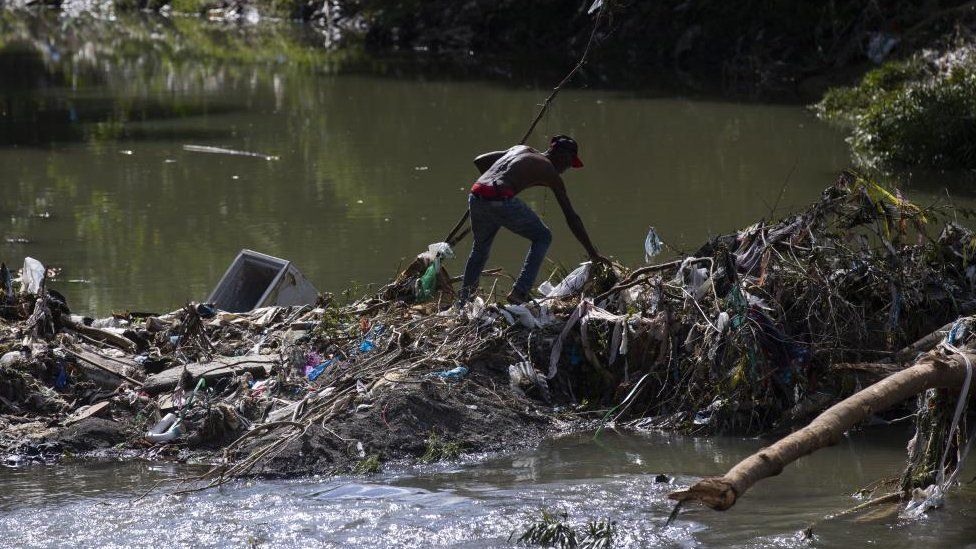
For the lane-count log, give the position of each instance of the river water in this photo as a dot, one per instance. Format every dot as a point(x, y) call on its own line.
point(374, 159)
point(480, 502)
point(373, 163)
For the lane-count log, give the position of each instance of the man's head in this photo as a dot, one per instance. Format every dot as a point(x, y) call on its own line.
point(563, 152)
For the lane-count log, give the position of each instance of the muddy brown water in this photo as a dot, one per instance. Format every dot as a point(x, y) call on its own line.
point(479, 502)
point(370, 169)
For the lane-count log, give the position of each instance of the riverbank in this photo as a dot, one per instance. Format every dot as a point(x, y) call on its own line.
point(912, 113)
point(730, 50)
point(909, 111)
point(754, 333)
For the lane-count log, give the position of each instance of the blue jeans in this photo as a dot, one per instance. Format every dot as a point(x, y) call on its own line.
point(487, 216)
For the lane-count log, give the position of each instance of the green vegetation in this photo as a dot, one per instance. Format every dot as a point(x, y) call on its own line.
point(919, 112)
point(439, 450)
point(368, 466)
point(189, 6)
point(552, 530)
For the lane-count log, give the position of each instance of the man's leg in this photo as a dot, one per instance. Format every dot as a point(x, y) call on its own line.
point(521, 220)
point(483, 230)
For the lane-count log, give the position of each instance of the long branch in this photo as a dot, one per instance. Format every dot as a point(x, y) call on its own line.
point(568, 77)
point(934, 370)
point(542, 110)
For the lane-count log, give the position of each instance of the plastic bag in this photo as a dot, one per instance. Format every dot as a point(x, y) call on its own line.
point(573, 282)
point(32, 276)
point(524, 316)
point(475, 308)
point(438, 250)
point(427, 282)
point(523, 375)
point(652, 245)
point(454, 374)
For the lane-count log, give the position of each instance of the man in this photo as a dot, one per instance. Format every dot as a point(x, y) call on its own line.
point(493, 204)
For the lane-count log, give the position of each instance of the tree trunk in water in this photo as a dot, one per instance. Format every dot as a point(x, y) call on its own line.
point(934, 370)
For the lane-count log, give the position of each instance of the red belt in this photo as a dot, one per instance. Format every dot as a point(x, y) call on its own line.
point(492, 192)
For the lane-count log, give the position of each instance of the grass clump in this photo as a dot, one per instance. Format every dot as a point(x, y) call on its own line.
point(599, 534)
point(552, 530)
point(368, 466)
point(919, 112)
point(439, 450)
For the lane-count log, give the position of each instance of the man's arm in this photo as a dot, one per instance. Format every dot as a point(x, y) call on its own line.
point(485, 161)
point(572, 219)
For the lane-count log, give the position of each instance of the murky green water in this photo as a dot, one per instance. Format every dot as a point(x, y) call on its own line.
point(372, 167)
point(479, 504)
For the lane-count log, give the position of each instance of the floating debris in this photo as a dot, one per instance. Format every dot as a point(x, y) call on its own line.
point(231, 152)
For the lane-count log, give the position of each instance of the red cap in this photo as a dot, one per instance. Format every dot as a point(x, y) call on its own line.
point(568, 144)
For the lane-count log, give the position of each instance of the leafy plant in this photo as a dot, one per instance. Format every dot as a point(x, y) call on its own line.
point(919, 112)
point(367, 466)
point(550, 530)
point(439, 450)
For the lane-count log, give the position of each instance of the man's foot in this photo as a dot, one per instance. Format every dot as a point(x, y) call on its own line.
point(516, 297)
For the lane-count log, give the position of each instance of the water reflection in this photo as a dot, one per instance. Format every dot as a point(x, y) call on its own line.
point(371, 168)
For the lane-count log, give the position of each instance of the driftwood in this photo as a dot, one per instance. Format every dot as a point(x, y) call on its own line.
point(115, 367)
point(934, 370)
point(258, 366)
point(873, 371)
point(103, 336)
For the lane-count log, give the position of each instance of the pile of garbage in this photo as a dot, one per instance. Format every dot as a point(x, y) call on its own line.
point(755, 331)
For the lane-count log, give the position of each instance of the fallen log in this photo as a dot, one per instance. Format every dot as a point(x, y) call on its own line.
point(113, 366)
point(103, 336)
point(222, 366)
point(874, 371)
point(934, 370)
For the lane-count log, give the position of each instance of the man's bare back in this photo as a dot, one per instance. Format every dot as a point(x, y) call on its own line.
point(493, 205)
point(519, 168)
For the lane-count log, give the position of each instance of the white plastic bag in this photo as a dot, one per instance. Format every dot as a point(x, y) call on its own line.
point(573, 282)
point(523, 375)
point(524, 316)
point(437, 251)
point(32, 276)
point(652, 245)
point(475, 308)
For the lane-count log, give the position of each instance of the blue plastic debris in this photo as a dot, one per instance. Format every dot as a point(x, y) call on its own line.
point(454, 374)
point(315, 372)
point(366, 346)
point(62, 378)
point(575, 357)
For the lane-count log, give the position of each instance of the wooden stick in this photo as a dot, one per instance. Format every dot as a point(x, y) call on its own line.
point(101, 335)
point(86, 360)
point(568, 77)
point(542, 110)
point(632, 278)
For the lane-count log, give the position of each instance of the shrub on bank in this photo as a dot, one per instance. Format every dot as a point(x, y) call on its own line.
point(919, 112)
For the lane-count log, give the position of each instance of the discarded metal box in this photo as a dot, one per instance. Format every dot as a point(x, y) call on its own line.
point(257, 280)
